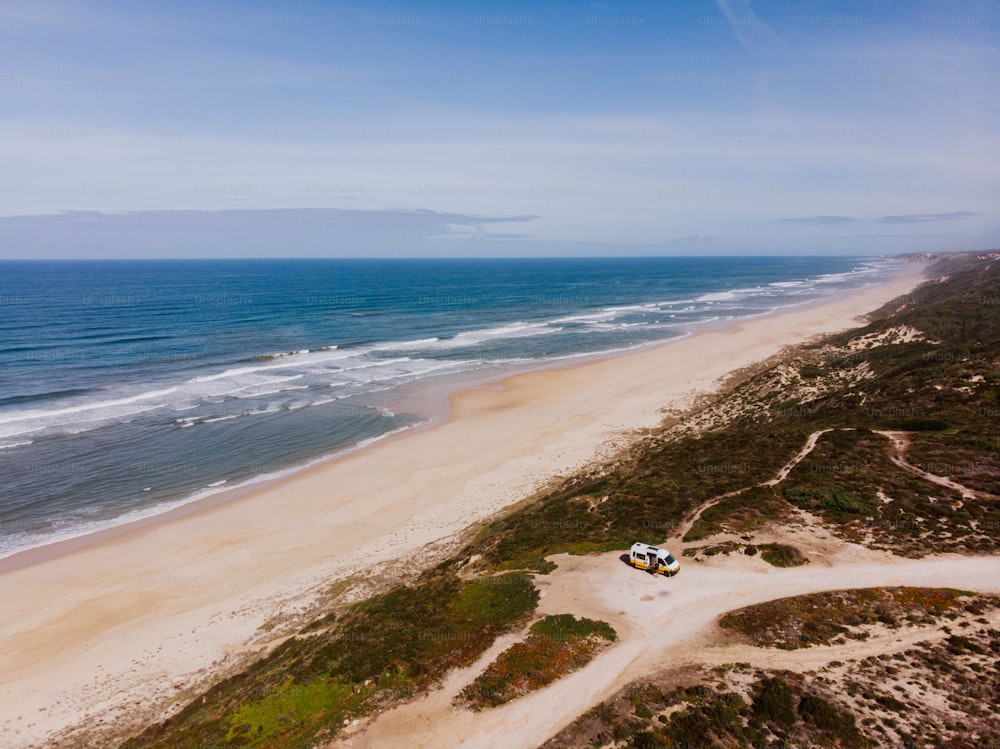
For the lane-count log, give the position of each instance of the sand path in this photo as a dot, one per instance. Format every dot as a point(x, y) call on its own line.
point(900, 442)
point(786, 469)
point(802, 454)
point(662, 623)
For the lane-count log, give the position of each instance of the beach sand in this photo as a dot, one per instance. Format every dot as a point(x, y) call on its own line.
point(123, 626)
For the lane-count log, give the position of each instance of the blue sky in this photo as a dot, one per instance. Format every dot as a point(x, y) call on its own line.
point(467, 128)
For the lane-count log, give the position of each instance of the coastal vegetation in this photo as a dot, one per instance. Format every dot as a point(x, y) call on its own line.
point(554, 647)
point(833, 617)
point(772, 707)
point(942, 691)
point(381, 650)
point(926, 368)
point(782, 555)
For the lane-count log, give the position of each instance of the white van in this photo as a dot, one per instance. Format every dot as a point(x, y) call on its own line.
point(653, 559)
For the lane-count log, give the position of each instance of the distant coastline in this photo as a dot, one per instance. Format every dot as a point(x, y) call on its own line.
point(282, 546)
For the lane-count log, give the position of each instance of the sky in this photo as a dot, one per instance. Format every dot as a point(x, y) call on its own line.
point(313, 129)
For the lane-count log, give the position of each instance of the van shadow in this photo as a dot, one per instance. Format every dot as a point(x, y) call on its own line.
point(626, 560)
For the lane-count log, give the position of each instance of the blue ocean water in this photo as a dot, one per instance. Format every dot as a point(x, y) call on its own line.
point(128, 387)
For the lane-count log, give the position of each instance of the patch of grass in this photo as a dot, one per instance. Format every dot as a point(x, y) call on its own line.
point(563, 627)
point(970, 455)
point(727, 547)
point(782, 555)
point(291, 706)
point(916, 425)
point(427, 629)
point(555, 646)
point(780, 713)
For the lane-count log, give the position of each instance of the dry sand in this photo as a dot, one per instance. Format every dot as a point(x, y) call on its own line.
point(120, 627)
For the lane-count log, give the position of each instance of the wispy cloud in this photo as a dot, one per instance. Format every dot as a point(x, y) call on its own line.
point(821, 220)
point(307, 232)
point(693, 238)
point(906, 218)
point(752, 33)
point(926, 218)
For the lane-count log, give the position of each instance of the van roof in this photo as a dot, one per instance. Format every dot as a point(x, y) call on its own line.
point(645, 547)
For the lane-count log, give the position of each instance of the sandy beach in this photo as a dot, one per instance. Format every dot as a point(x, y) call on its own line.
point(118, 629)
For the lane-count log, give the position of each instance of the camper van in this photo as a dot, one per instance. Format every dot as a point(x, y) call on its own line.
point(653, 559)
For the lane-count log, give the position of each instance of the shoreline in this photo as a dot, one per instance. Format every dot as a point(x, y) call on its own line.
point(85, 630)
point(432, 402)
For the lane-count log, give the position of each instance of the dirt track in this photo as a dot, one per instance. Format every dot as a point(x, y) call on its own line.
point(662, 623)
point(666, 623)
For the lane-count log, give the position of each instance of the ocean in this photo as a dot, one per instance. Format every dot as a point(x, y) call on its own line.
point(131, 387)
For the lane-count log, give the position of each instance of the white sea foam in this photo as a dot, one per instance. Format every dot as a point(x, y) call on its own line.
point(262, 393)
point(719, 296)
point(404, 345)
point(483, 335)
point(631, 307)
point(74, 425)
point(12, 445)
point(835, 277)
point(306, 356)
point(593, 316)
point(372, 440)
point(82, 407)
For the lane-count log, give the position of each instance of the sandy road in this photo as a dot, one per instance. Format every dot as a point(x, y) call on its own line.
point(662, 623)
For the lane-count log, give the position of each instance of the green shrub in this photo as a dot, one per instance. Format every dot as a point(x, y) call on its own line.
point(648, 740)
point(775, 702)
point(566, 626)
point(825, 716)
point(781, 555)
